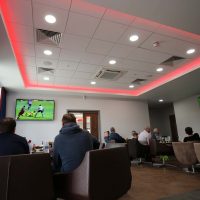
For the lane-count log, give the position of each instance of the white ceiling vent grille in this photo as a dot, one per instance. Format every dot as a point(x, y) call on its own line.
point(173, 61)
point(48, 37)
point(109, 74)
point(42, 70)
point(138, 81)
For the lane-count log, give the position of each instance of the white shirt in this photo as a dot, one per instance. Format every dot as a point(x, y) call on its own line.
point(144, 137)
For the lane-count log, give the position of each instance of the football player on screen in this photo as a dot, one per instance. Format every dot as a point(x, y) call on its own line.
point(40, 110)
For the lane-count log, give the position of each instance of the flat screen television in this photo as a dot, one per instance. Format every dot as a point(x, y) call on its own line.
point(34, 109)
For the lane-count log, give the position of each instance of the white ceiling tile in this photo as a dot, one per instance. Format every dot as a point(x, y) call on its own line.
point(26, 49)
point(138, 65)
point(23, 33)
point(70, 55)
point(75, 43)
point(68, 65)
point(91, 58)
point(125, 79)
point(87, 8)
point(179, 34)
point(39, 13)
point(31, 70)
point(142, 74)
point(120, 51)
point(150, 56)
point(112, 84)
point(116, 16)
point(171, 46)
point(46, 63)
point(109, 31)
point(42, 81)
point(82, 75)
point(143, 35)
point(20, 12)
point(119, 62)
point(64, 73)
point(29, 61)
point(87, 68)
point(63, 4)
point(80, 82)
point(40, 52)
point(81, 24)
point(99, 47)
point(145, 24)
point(61, 80)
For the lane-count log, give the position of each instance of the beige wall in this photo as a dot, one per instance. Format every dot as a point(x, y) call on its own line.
point(124, 115)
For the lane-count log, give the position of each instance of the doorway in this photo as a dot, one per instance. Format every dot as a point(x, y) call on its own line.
point(173, 127)
point(88, 120)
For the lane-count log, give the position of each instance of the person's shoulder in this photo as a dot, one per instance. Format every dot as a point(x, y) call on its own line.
point(196, 135)
point(20, 138)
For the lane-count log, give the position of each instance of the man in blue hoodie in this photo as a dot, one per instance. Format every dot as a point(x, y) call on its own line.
point(70, 145)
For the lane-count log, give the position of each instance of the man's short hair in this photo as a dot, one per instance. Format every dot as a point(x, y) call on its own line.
point(7, 125)
point(189, 130)
point(67, 118)
point(112, 130)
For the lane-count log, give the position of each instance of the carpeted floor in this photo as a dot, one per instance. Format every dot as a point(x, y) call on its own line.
point(193, 195)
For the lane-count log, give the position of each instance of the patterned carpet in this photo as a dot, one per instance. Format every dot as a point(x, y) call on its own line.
point(193, 195)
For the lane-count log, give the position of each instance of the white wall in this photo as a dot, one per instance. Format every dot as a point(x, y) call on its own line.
point(187, 113)
point(124, 115)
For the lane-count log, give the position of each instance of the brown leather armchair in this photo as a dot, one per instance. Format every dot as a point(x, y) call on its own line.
point(185, 154)
point(197, 151)
point(103, 175)
point(26, 177)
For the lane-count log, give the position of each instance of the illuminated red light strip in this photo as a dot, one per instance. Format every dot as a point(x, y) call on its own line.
point(194, 64)
point(16, 49)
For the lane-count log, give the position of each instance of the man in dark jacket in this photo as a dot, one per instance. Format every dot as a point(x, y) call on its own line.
point(113, 136)
point(191, 137)
point(11, 143)
point(70, 145)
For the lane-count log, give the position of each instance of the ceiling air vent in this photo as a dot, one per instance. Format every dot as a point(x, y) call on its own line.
point(138, 81)
point(173, 61)
point(49, 71)
point(48, 37)
point(109, 74)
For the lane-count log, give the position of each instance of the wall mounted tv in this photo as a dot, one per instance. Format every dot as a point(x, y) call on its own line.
point(34, 109)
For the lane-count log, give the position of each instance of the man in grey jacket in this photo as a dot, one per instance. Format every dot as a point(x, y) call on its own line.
point(70, 145)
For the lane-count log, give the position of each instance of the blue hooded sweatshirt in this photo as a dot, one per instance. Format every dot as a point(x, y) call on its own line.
point(70, 147)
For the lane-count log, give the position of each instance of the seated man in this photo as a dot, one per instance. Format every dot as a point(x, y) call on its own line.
point(70, 145)
point(191, 137)
point(155, 134)
point(11, 143)
point(113, 136)
point(144, 139)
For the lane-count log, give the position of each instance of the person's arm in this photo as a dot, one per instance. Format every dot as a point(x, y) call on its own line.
point(56, 158)
point(26, 147)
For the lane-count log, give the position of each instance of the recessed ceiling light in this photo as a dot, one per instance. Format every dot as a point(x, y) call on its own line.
point(112, 62)
point(131, 86)
point(160, 69)
point(50, 19)
point(92, 82)
point(133, 38)
point(190, 51)
point(46, 78)
point(47, 52)
point(160, 100)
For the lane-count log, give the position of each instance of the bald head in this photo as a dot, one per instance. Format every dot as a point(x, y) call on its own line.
point(148, 129)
